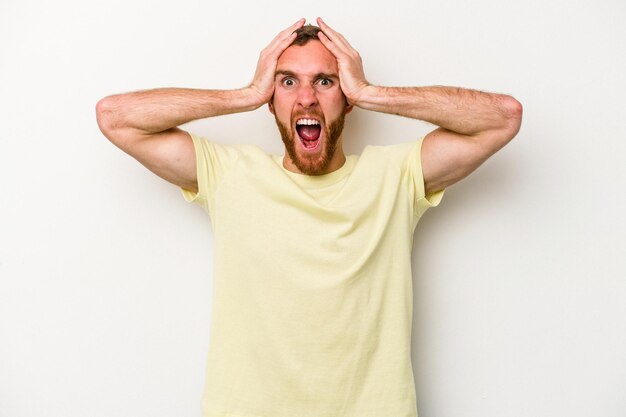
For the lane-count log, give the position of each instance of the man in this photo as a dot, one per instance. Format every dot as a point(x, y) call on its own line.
point(312, 300)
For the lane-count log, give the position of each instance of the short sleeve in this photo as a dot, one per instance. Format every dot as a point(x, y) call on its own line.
point(213, 160)
point(422, 202)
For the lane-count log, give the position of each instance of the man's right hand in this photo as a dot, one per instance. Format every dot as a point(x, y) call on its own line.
point(145, 123)
point(263, 82)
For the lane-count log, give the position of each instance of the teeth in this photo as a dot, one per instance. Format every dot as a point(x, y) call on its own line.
point(307, 122)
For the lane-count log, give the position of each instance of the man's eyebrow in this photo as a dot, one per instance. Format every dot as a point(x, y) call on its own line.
point(317, 76)
point(284, 72)
point(324, 75)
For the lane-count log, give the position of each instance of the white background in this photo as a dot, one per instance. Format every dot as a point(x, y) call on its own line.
point(520, 273)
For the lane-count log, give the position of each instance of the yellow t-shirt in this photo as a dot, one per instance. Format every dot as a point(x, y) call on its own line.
point(313, 297)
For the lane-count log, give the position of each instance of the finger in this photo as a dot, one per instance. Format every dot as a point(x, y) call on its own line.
point(330, 45)
point(287, 33)
point(341, 46)
point(285, 37)
point(333, 35)
point(299, 23)
point(337, 49)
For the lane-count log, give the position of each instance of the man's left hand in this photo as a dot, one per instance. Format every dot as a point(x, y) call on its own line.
point(351, 75)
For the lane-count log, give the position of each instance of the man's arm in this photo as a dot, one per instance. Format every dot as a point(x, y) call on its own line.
point(144, 123)
point(473, 125)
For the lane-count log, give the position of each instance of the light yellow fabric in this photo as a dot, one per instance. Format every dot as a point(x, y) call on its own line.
point(312, 302)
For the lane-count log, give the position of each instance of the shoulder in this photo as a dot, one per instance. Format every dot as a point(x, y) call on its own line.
point(226, 150)
point(396, 154)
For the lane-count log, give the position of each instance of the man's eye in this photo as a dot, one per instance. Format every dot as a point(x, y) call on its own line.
point(325, 82)
point(288, 82)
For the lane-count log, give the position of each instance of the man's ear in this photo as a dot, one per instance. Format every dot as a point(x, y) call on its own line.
point(270, 106)
point(349, 108)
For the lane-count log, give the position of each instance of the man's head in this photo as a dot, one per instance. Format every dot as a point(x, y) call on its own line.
point(309, 106)
point(305, 34)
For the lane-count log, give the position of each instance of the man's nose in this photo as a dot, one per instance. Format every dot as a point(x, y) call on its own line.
point(307, 96)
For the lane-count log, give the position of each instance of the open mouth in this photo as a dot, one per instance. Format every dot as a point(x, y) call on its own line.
point(309, 132)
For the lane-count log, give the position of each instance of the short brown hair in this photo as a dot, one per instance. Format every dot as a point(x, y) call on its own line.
point(305, 34)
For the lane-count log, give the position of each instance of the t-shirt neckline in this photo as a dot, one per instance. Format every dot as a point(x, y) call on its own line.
point(319, 180)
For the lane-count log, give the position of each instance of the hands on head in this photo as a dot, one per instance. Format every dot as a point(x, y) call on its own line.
point(263, 82)
point(351, 75)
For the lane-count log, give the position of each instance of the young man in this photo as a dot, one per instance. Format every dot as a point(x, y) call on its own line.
point(313, 288)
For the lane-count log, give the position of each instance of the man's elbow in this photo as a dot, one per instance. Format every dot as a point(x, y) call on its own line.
point(513, 116)
point(509, 123)
point(104, 115)
point(108, 116)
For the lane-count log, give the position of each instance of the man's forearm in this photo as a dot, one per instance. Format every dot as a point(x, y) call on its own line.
point(464, 111)
point(157, 110)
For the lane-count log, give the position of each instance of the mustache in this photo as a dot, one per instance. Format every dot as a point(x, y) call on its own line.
point(303, 115)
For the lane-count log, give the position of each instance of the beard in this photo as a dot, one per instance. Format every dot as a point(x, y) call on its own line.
point(318, 163)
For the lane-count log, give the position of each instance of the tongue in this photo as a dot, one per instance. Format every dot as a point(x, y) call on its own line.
point(310, 132)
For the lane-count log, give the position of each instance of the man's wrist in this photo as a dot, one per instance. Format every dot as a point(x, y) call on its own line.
point(249, 98)
point(368, 96)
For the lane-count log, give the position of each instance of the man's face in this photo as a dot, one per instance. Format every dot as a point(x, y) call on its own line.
point(309, 108)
